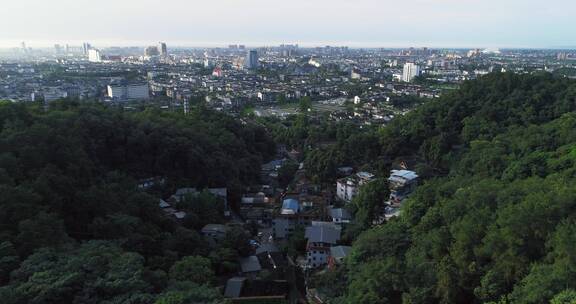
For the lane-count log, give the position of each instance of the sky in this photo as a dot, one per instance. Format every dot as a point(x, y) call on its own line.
point(356, 23)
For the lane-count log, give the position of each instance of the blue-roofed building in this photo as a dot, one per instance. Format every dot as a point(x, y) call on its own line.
point(284, 224)
point(297, 210)
point(402, 183)
point(290, 206)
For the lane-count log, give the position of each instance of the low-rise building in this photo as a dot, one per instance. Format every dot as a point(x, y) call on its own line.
point(250, 266)
point(402, 183)
point(297, 212)
point(124, 91)
point(340, 216)
point(214, 233)
point(338, 254)
point(243, 290)
point(321, 237)
point(347, 188)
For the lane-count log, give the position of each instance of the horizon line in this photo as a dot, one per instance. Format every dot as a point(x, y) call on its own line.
point(101, 43)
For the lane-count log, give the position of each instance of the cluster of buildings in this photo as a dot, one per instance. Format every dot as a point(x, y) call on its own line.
point(401, 184)
point(303, 210)
point(169, 206)
point(226, 79)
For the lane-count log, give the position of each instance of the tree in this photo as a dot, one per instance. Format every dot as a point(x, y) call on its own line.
point(43, 230)
point(305, 104)
point(286, 173)
point(95, 272)
point(567, 296)
point(368, 202)
point(188, 292)
point(492, 220)
point(195, 269)
point(238, 240)
point(9, 261)
point(296, 242)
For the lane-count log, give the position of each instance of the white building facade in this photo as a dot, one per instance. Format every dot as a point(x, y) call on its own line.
point(94, 55)
point(129, 91)
point(410, 71)
point(347, 188)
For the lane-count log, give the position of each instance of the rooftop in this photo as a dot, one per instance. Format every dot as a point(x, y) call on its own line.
point(402, 176)
point(290, 206)
point(340, 213)
point(322, 234)
point(214, 228)
point(250, 264)
point(234, 287)
point(340, 251)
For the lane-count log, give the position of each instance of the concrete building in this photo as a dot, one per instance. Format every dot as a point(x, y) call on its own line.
point(151, 51)
point(94, 55)
point(49, 95)
point(251, 61)
point(355, 74)
point(340, 215)
point(128, 91)
point(162, 49)
point(57, 49)
point(321, 237)
point(410, 71)
point(401, 183)
point(347, 188)
point(85, 48)
point(297, 212)
point(284, 224)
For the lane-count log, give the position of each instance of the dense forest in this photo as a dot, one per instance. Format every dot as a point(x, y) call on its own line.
point(494, 218)
point(74, 226)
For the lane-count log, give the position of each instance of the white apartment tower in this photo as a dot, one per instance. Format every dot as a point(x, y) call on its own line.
point(411, 70)
point(94, 55)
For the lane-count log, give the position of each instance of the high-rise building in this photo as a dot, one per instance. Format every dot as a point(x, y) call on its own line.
point(151, 51)
point(57, 48)
point(251, 60)
point(94, 55)
point(86, 47)
point(411, 70)
point(162, 49)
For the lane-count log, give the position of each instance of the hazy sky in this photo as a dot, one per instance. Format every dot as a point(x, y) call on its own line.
point(381, 23)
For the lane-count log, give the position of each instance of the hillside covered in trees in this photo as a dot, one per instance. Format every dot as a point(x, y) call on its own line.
point(75, 228)
point(493, 220)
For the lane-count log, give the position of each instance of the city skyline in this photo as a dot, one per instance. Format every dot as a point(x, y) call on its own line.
point(364, 23)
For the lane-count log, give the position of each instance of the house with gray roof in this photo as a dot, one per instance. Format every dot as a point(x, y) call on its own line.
point(234, 287)
point(340, 215)
point(338, 253)
point(250, 266)
point(321, 237)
